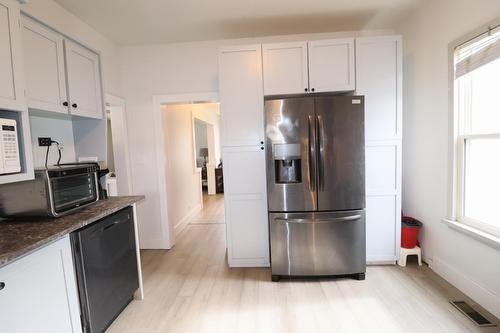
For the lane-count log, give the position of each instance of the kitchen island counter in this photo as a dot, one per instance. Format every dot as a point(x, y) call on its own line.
point(21, 236)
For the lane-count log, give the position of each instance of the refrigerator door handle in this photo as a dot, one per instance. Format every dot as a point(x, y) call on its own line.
point(321, 161)
point(310, 152)
point(332, 220)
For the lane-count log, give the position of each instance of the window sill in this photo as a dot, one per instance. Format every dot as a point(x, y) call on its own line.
point(475, 233)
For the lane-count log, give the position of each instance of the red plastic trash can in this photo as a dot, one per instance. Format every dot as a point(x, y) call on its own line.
point(410, 228)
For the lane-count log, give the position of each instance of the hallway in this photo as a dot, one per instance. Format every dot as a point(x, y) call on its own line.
point(212, 212)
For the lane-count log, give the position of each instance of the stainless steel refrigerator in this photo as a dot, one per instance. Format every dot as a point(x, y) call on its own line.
point(316, 185)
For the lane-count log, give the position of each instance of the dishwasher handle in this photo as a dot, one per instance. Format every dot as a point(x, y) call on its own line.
point(119, 220)
point(99, 227)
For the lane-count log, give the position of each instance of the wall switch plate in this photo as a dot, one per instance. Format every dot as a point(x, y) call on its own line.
point(44, 141)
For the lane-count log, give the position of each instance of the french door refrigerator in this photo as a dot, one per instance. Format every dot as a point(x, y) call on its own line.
point(316, 185)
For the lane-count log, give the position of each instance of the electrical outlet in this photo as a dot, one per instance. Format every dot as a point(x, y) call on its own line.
point(44, 141)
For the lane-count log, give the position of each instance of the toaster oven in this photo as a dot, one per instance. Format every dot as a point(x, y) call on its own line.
point(55, 191)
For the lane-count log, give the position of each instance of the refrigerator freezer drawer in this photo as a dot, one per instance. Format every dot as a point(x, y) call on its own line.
point(316, 244)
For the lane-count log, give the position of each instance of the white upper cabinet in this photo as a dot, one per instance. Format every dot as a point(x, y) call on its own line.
point(44, 67)
point(12, 77)
point(303, 67)
point(84, 81)
point(332, 65)
point(241, 95)
point(378, 76)
point(285, 68)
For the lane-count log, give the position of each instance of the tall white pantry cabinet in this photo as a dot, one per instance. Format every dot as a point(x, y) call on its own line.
point(242, 117)
point(369, 66)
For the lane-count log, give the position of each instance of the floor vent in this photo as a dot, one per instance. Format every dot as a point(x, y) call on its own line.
point(472, 314)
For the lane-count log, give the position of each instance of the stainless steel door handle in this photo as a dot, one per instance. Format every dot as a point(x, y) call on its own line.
point(332, 220)
point(321, 161)
point(310, 156)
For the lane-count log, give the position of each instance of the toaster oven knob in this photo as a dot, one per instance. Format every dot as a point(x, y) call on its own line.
point(2, 285)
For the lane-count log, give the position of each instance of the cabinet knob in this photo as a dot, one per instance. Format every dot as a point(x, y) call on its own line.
point(74, 105)
point(2, 285)
point(312, 89)
point(305, 89)
point(65, 104)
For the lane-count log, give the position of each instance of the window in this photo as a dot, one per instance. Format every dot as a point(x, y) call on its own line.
point(477, 144)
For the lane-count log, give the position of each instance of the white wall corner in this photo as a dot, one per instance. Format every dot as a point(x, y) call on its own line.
point(182, 223)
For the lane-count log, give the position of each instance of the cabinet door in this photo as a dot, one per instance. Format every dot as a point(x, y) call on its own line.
point(84, 81)
point(241, 95)
point(246, 206)
point(285, 68)
point(44, 67)
point(378, 77)
point(331, 65)
point(12, 76)
point(383, 201)
point(40, 293)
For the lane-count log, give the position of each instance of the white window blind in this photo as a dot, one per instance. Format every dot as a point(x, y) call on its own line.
point(477, 53)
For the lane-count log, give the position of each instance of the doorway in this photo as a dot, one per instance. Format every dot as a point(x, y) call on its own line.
point(193, 168)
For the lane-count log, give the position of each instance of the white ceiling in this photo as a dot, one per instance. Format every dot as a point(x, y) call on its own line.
point(165, 21)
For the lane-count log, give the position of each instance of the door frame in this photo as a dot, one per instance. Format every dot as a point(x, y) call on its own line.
point(118, 102)
point(167, 229)
point(211, 163)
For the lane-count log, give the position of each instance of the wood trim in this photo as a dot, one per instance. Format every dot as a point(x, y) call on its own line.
point(139, 295)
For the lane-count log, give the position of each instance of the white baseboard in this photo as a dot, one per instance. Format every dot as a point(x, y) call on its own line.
point(382, 259)
point(182, 224)
point(380, 262)
point(481, 295)
point(251, 262)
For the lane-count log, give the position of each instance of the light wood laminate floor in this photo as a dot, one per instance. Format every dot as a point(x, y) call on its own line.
point(213, 210)
point(191, 289)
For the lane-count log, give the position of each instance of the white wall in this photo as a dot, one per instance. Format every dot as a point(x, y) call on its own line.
point(466, 262)
point(184, 181)
point(60, 130)
point(148, 70)
point(55, 16)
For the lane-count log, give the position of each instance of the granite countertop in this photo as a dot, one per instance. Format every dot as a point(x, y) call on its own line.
point(19, 237)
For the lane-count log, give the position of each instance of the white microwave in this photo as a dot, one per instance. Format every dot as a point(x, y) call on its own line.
point(9, 147)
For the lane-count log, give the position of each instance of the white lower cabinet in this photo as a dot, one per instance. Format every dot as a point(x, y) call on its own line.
point(246, 206)
point(40, 293)
point(381, 231)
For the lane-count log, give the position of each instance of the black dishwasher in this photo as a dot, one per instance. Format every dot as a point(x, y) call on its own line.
point(106, 269)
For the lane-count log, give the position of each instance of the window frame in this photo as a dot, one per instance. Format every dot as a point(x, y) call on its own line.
point(460, 186)
point(457, 151)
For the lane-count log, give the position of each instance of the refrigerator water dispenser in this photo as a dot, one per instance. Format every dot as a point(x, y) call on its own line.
point(287, 163)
